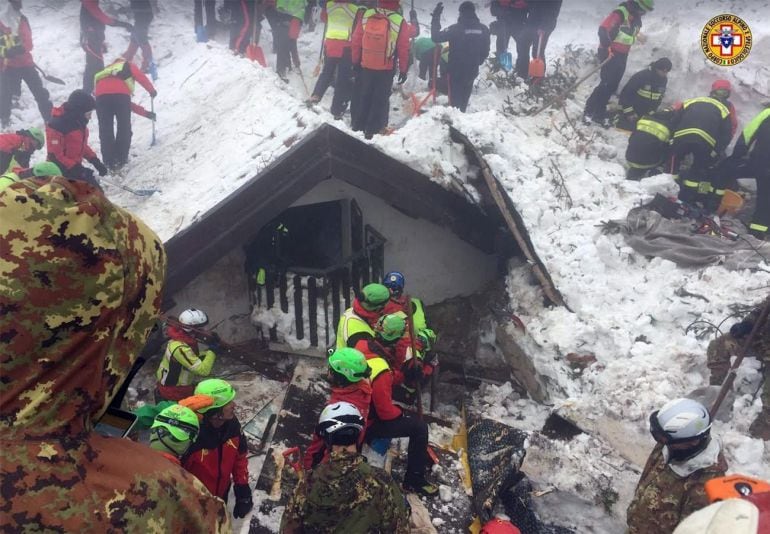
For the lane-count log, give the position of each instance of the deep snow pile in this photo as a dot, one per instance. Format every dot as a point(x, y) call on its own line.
point(222, 119)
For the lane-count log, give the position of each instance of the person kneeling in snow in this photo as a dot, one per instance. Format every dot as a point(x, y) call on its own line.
point(345, 494)
point(672, 484)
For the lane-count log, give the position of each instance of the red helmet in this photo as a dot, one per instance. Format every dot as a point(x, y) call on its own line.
point(499, 526)
point(722, 85)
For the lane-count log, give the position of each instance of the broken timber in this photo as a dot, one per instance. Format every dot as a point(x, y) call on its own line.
point(512, 218)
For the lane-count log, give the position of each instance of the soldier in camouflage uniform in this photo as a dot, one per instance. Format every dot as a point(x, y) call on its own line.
point(672, 484)
point(718, 361)
point(345, 495)
point(80, 289)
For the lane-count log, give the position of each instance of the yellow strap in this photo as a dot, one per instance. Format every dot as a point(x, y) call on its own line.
point(690, 183)
point(708, 100)
point(656, 129)
point(649, 94)
point(700, 133)
point(758, 227)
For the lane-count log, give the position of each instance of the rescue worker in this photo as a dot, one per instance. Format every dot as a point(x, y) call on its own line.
point(704, 132)
point(432, 60)
point(395, 282)
point(288, 18)
point(205, 9)
point(540, 24)
point(380, 46)
point(240, 14)
point(140, 35)
point(67, 138)
point(617, 34)
point(751, 157)
point(722, 348)
point(345, 494)
point(356, 322)
point(468, 50)
point(386, 420)
point(685, 457)
point(173, 431)
point(348, 374)
point(43, 169)
point(409, 369)
point(721, 90)
point(17, 64)
point(182, 359)
point(114, 87)
point(340, 17)
point(649, 143)
point(92, 24)
point(643, 93)
point(16, 148)
point(219, 457)
point(67, 349)
point(511, 18)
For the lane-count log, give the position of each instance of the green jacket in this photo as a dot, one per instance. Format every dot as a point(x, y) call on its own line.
point(344, 496)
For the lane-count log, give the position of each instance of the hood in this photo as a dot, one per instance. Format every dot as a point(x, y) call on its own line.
point(710, 456)
point(80, 289)
point(338, 468)
point(178, 334)
point(369, 316)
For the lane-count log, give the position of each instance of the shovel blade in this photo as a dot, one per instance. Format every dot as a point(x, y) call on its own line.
point(254, 53)
point(537, 68)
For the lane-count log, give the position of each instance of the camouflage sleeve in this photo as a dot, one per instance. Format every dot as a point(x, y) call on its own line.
point(395, 515)
point(291, 521)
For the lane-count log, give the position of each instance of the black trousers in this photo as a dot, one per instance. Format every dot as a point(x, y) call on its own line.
point(370, 107)
point(512, 25)
point(460, 88)
point(282, 41)
point(612, 73)
point(703, 159)
point(762, 211)
point(205, 7)
point(112, 109)
point(340, 71)
point(10, 84)
point(405, 427)
point(240, 25)
point(92, 41)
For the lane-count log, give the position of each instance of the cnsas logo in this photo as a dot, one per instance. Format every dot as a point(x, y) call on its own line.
point(726, 40)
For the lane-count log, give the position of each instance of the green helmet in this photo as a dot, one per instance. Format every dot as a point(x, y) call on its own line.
point(646, 5)
point(37, 134)
point(221, 391)
point(428, 338)
point(350, 363)
point(391, 327)
point(46, 168)
point(174, 428)
point(374, 296)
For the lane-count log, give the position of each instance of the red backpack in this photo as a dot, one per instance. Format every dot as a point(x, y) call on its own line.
point(376, 42)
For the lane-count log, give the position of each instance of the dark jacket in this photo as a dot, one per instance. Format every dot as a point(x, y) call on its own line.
point(92, 17)
point(66, 138)
point(649, 142)
point(755, 143)
point(468, 44)
point(643, 92)
point(219, 455)
point(707, 120)
point(543, 15)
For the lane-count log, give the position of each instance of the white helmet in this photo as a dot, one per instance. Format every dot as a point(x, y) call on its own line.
point(681, 420)
point(193, 317)
point(340, 419)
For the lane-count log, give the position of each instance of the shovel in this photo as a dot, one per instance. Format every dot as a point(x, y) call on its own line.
point(253, 50)
point(153, 141)
point(137, 192)
point(52, 79)
point(536, 64)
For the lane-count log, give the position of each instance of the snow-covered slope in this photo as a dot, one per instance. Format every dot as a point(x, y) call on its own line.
point(221, 119)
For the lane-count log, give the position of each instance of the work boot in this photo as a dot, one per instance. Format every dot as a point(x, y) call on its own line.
point(419, 484)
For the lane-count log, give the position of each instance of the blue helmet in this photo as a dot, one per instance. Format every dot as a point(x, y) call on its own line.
point(394, 281)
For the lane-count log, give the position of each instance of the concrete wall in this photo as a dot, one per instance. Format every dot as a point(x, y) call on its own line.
point(222, 292)
point(436, 263)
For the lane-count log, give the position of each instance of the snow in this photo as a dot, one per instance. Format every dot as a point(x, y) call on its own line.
point(222, 119)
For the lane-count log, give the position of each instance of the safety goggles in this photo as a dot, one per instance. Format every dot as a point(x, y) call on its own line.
point(191, 431)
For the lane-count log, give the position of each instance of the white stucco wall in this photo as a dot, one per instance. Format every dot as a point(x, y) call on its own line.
point(222, 292)
point(436, 263)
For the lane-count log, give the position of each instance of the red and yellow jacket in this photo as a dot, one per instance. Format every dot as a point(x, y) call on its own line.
point(219, 456)
point(25, 39)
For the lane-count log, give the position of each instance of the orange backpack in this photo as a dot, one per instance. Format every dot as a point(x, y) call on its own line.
point(734, 487)
point(376, 42)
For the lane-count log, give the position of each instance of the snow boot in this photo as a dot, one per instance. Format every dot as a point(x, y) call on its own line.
point(201, 35)
point(419, 484)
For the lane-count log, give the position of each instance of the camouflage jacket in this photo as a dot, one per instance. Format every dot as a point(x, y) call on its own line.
point(344, 496)
point(663, 498)
point(761, 344)
point(80, 289)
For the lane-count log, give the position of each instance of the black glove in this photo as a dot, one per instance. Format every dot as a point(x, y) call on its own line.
point(412, 372)
point(401, 78)
point(151, 115)
point(122, 24)
point(243, 502)
point(437, 10)
point(413, 17)
point(15, 50)
point(99, 166)
point(603, 53)
point(739, 330)
point(153, 93)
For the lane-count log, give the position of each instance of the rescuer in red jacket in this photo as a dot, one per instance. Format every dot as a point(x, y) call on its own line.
point(92, 23)
point(16, 148)
point(114, 87)
point(17, 64)
point(67, 138)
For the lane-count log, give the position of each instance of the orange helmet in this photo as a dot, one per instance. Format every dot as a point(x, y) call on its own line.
point(734, 487)
point(497, 525)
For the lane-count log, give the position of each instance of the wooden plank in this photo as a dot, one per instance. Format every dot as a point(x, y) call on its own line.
point(312, 310)
point(336, 278)
point(299, 327)
point(512, 219)
point(270, 291)
point(283, 293)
